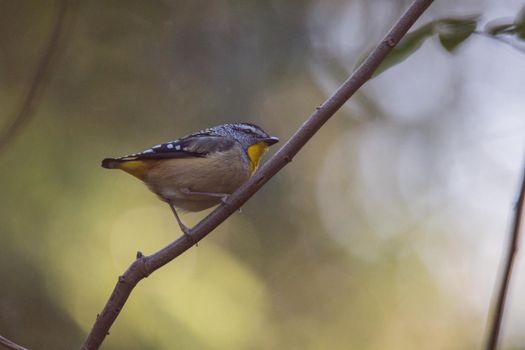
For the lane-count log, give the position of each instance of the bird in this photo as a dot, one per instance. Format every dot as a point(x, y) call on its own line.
point(199, 170)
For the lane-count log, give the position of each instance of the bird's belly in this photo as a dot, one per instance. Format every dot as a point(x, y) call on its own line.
point(193, 204)
point(172, 179)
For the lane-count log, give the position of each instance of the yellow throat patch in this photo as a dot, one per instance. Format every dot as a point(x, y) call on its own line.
point(255, 153)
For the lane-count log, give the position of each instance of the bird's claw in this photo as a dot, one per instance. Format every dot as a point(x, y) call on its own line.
point(189, 236)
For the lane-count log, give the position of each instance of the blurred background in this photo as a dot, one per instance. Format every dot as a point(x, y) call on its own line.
point(385, 232)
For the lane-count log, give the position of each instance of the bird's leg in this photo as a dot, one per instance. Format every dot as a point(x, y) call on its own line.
point(183, 227)
point(222, 196)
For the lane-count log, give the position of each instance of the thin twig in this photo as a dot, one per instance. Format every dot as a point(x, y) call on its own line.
point(8, 344)
point(145, 265)
point(512, 250)
point(40, 78)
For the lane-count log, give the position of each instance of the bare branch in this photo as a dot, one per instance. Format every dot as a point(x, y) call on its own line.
point(512, 250)
point(8, 344)
point(40, 78)
point(145, 265)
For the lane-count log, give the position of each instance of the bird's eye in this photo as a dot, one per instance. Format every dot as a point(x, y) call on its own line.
point(251, 130)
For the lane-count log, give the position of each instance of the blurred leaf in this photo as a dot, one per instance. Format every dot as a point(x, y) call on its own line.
point(506, 27)
point(453, 32)
point(407, 46)
point(519, 22)
point(510, 32)
point(499, 27)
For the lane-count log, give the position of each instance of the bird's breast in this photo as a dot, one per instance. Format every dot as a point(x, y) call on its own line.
point(255, 153)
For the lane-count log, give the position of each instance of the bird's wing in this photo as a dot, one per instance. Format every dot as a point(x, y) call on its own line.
point(195, 145)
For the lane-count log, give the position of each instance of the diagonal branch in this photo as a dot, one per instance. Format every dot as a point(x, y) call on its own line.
point(145, 265)
point(8, 344)
point(40, 77)
point(512, 249)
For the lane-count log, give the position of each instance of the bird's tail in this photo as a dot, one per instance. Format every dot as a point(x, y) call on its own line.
point(110, 163)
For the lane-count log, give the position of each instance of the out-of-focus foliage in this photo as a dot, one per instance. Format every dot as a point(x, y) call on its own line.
point(503, 27)
point(451, 32)
point(385, 231)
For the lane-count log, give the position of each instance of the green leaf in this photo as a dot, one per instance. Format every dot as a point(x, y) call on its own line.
point(505, 27)
point(453, 31)
point(519, 22)
point(498, 27)
point(407, 46)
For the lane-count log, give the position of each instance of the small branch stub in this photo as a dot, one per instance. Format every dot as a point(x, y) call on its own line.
point(390, 42)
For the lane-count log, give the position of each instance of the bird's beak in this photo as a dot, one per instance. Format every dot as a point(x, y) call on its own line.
point(270, 140)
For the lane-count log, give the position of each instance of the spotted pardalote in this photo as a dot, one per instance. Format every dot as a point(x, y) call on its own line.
point(199, 170)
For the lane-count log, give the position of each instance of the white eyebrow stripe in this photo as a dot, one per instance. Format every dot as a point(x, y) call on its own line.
point(148, 151)
point(251, 128)
point(157, 146)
